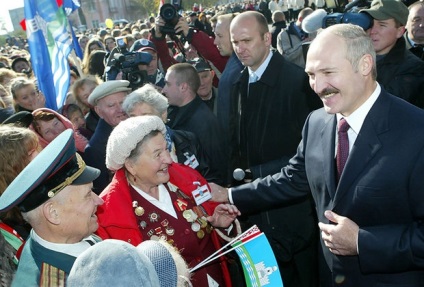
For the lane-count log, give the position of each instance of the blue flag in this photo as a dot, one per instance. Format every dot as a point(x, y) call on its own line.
point(260, 267)
point(77, 47)
point(49, 45)
point(70, 6)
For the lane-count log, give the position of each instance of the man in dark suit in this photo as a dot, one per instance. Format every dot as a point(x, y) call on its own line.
point(371, 220)
point(266, 119)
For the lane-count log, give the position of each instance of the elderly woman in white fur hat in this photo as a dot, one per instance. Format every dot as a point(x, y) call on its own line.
point(151, 197)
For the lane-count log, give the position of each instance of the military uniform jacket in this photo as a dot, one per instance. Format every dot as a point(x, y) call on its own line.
point(39, 266)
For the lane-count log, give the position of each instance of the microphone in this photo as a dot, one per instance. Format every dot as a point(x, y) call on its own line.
point(239, 174)
point(242, 175)
point(313, 22)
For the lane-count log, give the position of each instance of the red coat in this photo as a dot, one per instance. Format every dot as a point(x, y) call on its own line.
point(117, 220)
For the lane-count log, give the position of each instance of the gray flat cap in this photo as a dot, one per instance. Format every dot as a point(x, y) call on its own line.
point(108, 88)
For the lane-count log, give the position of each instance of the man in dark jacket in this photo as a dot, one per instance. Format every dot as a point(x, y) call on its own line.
point(107, 100)
point(398, 70)
point(188, 112)
point(270, 103)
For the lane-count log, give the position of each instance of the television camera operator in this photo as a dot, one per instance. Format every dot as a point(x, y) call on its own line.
point(131, 65)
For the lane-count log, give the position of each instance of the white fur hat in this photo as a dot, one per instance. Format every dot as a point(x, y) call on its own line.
point(125, 137)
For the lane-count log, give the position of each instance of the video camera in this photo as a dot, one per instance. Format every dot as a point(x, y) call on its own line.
point(121, 60)
point(349, 13)
point(169, 13)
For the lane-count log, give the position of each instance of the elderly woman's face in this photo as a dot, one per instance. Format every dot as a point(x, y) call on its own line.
point(151, 168)
point(49, 130)
point(143, 109)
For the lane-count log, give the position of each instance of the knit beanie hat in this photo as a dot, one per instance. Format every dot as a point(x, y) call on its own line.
point(162, 260)
point(125, 137)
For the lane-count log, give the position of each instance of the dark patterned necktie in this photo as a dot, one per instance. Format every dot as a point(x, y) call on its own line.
point(342, 147)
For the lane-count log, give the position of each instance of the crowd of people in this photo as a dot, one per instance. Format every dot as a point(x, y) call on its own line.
point(237, 115)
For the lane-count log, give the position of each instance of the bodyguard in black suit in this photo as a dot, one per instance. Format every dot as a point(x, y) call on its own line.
point(266, 120)
point(371, 218)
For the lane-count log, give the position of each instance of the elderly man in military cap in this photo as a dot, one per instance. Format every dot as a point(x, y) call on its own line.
point(54, 195)
point(398, 70)
point(107, 99)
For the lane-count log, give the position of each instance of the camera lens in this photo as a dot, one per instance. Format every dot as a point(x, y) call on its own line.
point(168, 12)
point(136, 78)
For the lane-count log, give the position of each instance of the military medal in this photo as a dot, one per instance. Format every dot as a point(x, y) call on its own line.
point(154, 217)
point(139, 211)
point(170, 231)
point(180, 204)
point(209, 228)
point(203, 222)
point(187, 214)
point(200, 234)
point(164, 223)
point(195, 226)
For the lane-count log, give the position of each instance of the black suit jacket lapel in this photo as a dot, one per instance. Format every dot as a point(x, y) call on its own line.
point(366, 145)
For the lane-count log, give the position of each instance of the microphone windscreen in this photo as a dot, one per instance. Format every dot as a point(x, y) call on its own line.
point(313, 22)
point(239, 174)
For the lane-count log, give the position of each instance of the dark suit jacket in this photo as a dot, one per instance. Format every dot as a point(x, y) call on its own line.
point(266, 126)
point(381, 189)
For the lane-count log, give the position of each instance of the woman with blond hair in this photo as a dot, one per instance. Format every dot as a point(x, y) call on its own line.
point(81, 89)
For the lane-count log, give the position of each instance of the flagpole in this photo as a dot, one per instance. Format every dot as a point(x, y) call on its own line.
point(214, 255)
